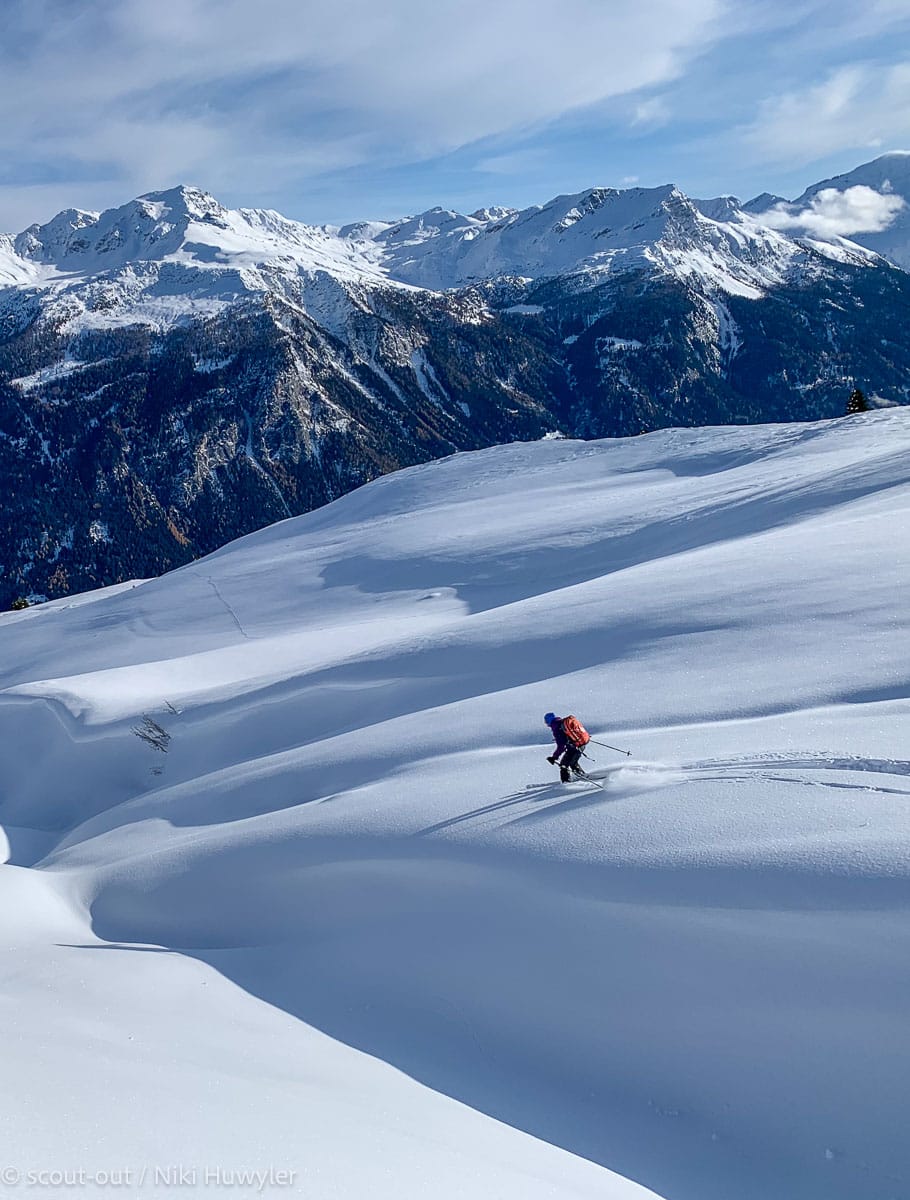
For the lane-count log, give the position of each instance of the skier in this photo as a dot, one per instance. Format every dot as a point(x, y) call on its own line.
point(571, 737)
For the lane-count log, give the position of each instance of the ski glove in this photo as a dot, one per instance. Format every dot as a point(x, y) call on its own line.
point(551, 759)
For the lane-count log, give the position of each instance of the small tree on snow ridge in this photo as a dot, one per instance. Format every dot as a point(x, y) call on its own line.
point(857, 402)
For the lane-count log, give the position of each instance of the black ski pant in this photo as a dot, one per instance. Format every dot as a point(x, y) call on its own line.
point(571, 757)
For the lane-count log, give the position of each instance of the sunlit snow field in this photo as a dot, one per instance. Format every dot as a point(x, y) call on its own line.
point(350, 926)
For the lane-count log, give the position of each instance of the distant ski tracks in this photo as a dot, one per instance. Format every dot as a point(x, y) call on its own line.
point(764, 766)
point(233, 615)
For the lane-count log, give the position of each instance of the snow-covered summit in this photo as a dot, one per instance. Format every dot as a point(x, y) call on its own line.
point(495, 213)
point(888, 176)
point(762, 202)
point(151, 227)
point(180, 252)
point(183, 222)
point(720, 208)
point(888, 173)
point(590, 234)
point(174, 254)
point(870, 205)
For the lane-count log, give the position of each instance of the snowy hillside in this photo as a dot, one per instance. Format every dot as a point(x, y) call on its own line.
point(348, 925)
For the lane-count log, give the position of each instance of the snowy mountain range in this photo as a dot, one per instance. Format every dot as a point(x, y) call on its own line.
point(291, 892)
point(174, 373)
point(188, 247)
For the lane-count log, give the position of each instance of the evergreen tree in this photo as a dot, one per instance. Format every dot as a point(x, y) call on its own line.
point(857, 402)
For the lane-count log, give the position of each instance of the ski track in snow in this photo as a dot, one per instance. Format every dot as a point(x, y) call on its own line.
point(350, 925)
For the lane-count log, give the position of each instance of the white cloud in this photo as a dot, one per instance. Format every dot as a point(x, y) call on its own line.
point(653, 111)
point(251, 96)
point(514, 162)
point(831, 213)
point(859, 106)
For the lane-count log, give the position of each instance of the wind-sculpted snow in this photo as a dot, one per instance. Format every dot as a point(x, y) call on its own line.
point(347, 923)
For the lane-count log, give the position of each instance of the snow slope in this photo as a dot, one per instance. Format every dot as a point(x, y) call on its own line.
point(349, 926)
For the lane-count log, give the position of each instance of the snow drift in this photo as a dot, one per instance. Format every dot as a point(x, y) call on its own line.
point(348, 925)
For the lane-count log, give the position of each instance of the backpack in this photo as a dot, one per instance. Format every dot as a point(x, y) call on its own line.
point(575, 731)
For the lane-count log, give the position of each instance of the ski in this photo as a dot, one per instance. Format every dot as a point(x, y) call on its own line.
point(583, 778)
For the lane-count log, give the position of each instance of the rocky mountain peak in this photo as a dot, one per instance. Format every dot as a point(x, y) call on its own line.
point(150, 227)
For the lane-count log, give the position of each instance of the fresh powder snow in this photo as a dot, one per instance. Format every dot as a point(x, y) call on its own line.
point(291, 888)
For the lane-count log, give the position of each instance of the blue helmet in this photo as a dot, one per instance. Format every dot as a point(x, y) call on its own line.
point(549, 718)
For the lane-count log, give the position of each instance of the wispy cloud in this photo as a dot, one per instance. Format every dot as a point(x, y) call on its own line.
point(225, 92)
point(653, 111)
point(857, 106)
point(832, 213)
point(364, 107)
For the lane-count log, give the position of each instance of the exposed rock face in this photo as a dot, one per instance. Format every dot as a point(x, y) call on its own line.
point(174, 374)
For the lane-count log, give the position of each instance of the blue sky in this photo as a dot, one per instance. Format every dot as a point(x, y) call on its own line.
point(335, 112)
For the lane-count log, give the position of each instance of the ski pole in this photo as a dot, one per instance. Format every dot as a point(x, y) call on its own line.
point(607, 746)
